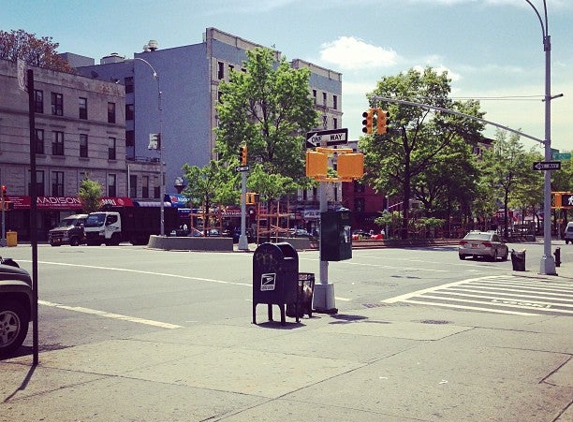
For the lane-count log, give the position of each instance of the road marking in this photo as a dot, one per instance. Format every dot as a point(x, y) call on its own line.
point(127, 270)
point(497, 294)
point(110, 315)
point(407, 296)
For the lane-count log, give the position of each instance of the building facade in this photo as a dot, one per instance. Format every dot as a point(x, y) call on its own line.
point(79, 133)
point(175, 91)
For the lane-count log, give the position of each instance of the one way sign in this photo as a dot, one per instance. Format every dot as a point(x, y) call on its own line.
point(326, 138)
point(547, 165)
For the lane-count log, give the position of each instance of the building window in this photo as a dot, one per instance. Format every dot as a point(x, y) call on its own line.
point(220, 70)
point(324, 101)
point(39, 141)
point(58, 143)
point(335, 123)
point(111, 148)
point(145, 187)
point(129, 138)
point(83, 105)
point(359, 205)
point(39, 183)
point(111, 185)
point(314, 96)
point(132, 186)
point(57, 183)
point(128, 85)
point(83, 145)
point(57, 104)
point(156, 190)
point(335, 102)
point(129, 111)
point(38, 101)
point(111, 112)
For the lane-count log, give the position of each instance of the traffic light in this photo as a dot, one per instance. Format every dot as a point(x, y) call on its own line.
point(252, 198)
point(368, 121)
point(350, 166)
point(243, 155)
point(381, 120)
point(316, 164)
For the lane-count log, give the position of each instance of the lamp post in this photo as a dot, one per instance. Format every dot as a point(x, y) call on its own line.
point(159, 135)
point(547, 264)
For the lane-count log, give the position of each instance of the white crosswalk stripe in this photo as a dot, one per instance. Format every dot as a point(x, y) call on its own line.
point(508, 294)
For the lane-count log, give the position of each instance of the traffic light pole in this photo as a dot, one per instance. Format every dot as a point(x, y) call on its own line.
point(324, 292)
point(243, 240)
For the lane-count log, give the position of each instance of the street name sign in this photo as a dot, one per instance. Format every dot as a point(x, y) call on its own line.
point(547, 165)
point(242, 168)
point(561, 156)
point(326, 138)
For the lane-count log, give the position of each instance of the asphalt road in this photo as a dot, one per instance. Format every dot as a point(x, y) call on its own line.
point(91, 294)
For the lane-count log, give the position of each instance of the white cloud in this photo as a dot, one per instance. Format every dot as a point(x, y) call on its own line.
point(439, 70)
point(349, 53)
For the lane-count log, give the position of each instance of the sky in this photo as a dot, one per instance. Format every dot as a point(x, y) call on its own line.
point(492, 49)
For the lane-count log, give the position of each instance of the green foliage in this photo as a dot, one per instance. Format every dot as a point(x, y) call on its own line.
point(506, 169)
point(90, 195)
point(401, 162)
point(269, 186)
point(211, 184)
point(39, 52)
point(267, 107)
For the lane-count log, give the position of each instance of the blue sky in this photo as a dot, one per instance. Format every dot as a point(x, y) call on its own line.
point(492, 49)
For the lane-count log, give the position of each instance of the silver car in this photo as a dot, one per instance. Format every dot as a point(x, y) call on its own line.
point(485, 244)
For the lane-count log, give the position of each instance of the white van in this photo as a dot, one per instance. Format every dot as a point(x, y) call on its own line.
point(568, 236)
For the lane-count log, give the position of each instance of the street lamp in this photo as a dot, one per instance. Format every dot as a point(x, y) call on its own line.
point(547, 265)
point(160, 140)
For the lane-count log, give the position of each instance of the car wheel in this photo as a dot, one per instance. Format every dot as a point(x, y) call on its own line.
point(505, 255)
point(74, 241)
point(493, 258)
point(566, 242)
point(462, 257)
point(13, 326)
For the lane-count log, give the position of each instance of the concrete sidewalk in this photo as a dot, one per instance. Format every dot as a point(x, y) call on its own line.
point(388, 363)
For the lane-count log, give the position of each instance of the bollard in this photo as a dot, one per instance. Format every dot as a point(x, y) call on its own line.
point(557, 257)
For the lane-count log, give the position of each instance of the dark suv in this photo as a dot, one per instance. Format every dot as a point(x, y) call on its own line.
point(15, 306)
point(69, 231)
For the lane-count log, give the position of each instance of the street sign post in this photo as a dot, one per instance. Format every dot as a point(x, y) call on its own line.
point(326, 138)
point(547, 165)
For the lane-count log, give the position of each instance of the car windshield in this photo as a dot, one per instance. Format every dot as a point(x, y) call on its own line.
point(95, 220)
point(478, 236)
point(67, 222)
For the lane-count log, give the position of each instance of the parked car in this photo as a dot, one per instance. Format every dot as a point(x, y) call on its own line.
point(15, 306)
point(483, 244)
point(568, 236)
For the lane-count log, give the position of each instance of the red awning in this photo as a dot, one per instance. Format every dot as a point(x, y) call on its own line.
point(62, 202)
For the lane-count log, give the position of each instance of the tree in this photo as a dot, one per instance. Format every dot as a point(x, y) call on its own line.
point(90, 195)
point(269, 109)
point(211, 184)
point(38, 52)
point(417, 136)
point(504, 168)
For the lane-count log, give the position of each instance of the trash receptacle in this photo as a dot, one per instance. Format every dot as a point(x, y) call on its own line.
point(11, 238)
point(518, 260)
point(275, 277)
point(303, 305)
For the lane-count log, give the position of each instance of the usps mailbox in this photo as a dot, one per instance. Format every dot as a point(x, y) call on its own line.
point(275, 277)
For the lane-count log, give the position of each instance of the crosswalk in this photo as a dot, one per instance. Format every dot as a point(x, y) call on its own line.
point(504, 294)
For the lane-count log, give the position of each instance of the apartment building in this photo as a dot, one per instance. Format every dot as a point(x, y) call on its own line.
point(174, 92)
point(79, 132)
